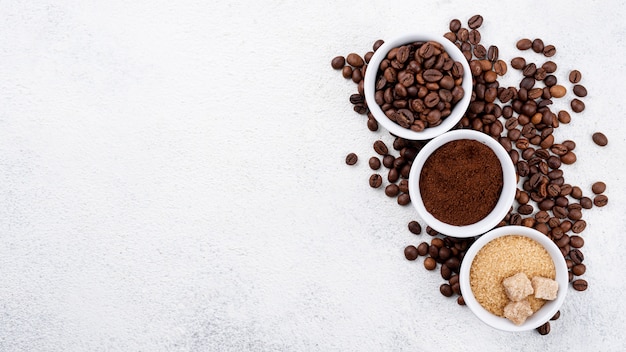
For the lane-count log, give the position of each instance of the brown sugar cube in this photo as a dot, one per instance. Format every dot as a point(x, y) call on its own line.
point(545, 288)
point(517, 312)
point(517, 287)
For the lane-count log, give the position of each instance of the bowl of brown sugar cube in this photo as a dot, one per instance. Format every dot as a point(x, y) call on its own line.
point(514, 278)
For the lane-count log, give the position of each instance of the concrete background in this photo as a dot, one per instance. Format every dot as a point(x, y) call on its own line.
point(172, 178)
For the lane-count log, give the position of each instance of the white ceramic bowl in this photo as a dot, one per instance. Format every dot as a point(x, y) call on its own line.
point(428, 133)
point(544, 313)
point(506, 196)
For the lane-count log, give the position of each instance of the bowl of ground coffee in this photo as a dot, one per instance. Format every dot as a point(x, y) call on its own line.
point(514, 278)
point(418, 86)
point(462, 183)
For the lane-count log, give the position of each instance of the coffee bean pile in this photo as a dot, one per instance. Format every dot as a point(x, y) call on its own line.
point(521, 118)
point(418, 84)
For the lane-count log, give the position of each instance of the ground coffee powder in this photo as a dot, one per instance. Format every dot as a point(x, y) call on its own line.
point(461, 182)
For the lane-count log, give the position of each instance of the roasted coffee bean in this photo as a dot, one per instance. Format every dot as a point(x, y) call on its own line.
point(576, 241)
point(549, 66)
point(524, 44)
point(404, 199)
point(388, 161)
point(600, 139)
point(422, 249)
point(556, 315)
point(537, 45)
point(579, 269)
point(351, 159)
point(404, 186)
point(392, 190)
point(430, 263)
point(558, 91)
point(372, 124)
point(544, 329)
point(393, 175)
point(577, 192)
point(575, 76)
point(415, 227)
point(576, 256)
point(518, 63)
point(474, 36)
point(493, 53)
point(376, 180)
point(374, 163)
point(446, 272)
point(475, 21)
point(529, 70)
point(355, 60)
point(568, 158)
point(549, 50)
point(577, 105)
point(446, 290)
point(499, 67)
point(432, 75)
point(579, 226)
point(598, 187)
point(580, 90)
point(410, 252)
point(525, 209)
point(600, 200)
point(380, 147)
point(574, 213)
point(564, 116)
point(460, 301)
point(346, 72)
point(580, 284)
point(338, 62)
point(455, 25)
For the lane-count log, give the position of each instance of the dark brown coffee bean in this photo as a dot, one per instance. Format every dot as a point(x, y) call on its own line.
point(537, 45)
point(544, 329)
point(460, 301)
point(576, 241)
point(432, 75)
point(576, 256)
point(374, 163)
point(372, 124)
point(586, 203)
point(338, 62)
point(376, 180)
point(598, 187)
point(549, 66)
point(474, 36)
point(455, 25)
point(493, 53)
point(580, 90)
point(600, 200)
point(550, 80)
point(549, 50)
point(580, 284)
point(346, 72)
point(577, 105)
point(579, 226)
point(575, 76)
point(430, 263)
point(600, 139)
point(380, 147)
point(422, 249)
point(569, 158)
point(404, 199)
point(404, 186)
point(355, 60)
point(579, 269)
point(524, 44)
point(415, 227)
point(556, 315)
point(392, 190)
point(351, 159)
point(518, 63)
point(410, 252)
point(446, 272)
point(475, 21)
point(446, 290)
point(499, 67)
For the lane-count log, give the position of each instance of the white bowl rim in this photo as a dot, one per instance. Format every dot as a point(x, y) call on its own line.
point(370, 81)
point(542, 315)
point(507, 196)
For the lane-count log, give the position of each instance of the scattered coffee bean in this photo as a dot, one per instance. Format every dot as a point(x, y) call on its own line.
point(575, 76)
point(338, 62)
point(351, 159)
point(580, 90)
point(549, 50)
point(410, 252)
point(600, 200)
point(374, 163)
point(556, 315)
point(422, 249)
point(355, 60)
point(577, 105)
point(475, 21)
point(381, 148)
point(415, 227)
point(544, 329)
point(392, 190)
point(376, 180)
point(537, 45)
point(524, 44)
point(600, 139)
point(579, 269)
point(580, 284)
point(598, 187)
point(446, 290)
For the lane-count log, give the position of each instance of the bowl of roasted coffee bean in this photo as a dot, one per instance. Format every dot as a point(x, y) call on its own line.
point(462, 183)
point(418, 86)
point(514, 278)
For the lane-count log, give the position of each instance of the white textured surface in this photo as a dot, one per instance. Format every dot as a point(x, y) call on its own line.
point(172, 178)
